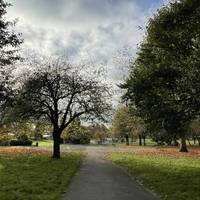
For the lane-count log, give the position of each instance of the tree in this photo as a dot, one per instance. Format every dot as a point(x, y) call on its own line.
point(61, 93)
point(164, 82)
point(125, 124)
point(195, 126)
point(9, 42)
point(159, 134)
point(76, 133)
point(99, 132)
point(21, 130)
point(41, 127)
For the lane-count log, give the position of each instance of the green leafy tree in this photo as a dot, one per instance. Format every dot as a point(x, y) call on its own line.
point(99, 132)
point(76, 133)
point(9, 40)
point(21, 130)
point(9, 43)
point(164, 82)
point(125, 124)
point(195, 132)
point(41, 127)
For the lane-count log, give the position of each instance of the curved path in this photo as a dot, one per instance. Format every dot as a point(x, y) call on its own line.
point(100, 179)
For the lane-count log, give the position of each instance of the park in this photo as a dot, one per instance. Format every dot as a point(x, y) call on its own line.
point(100, 100)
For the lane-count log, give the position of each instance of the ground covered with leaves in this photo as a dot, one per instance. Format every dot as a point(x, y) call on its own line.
point(30, 174)
point(170, 174)
point(169, 151)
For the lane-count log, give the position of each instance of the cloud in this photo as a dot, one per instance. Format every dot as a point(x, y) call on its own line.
point(93, 29)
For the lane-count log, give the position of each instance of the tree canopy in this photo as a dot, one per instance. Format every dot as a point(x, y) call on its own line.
point(61, 93)
point(77, 133)
point(9, 39)
point(164, 81)
point(9, 44)
point(125, 124)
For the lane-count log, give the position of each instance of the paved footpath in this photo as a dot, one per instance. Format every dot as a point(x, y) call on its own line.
point(99, 179)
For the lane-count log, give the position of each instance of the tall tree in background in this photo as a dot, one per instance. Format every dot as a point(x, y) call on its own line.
point(76, 133)
point(9, 43)
point(62, 93)
point(99, 132)
point(195, 130)
point(126, 125)
point(164, 82)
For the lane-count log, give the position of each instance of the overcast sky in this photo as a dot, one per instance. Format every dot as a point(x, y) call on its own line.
point(86, 29)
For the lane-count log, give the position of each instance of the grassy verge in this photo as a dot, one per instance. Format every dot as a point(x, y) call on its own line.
point(170, 178)
point(36, 177)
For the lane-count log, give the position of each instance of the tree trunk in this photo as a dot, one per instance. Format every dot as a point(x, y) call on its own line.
point(140, 140)
point(56, 145)
point(127, 139)
point(144, 140)
point(183, 146)
point(194, 139)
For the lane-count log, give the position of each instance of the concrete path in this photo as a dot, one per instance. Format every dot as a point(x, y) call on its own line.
point(99, 179)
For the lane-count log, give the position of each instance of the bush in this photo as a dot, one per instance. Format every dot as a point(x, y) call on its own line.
point(4, 140)
point(20, 142)
point(80, 140)
point(4, 143)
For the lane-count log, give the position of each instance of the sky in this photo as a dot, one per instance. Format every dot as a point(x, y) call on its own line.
point(105, 32)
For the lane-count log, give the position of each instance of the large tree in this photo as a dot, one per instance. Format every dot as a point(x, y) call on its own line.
point(164, 82)
point(9, 43)
point(62, 93)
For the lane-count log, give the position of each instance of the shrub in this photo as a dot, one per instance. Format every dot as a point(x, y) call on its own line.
point(4, 143)
point(20, 142)
point(4, 140)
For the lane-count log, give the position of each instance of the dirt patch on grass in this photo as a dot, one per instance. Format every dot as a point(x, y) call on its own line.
point(13, 151)
point(162, 151)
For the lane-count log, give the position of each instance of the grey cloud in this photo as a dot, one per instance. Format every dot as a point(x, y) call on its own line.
point(74, 11)
point(93, 29)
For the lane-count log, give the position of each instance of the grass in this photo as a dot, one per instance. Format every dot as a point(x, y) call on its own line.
point(44, 143)
point(36, 177)
point(170, 178)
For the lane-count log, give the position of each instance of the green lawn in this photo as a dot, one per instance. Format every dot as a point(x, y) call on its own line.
point(170, 178)
point(44, 143)
point(36, 177)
